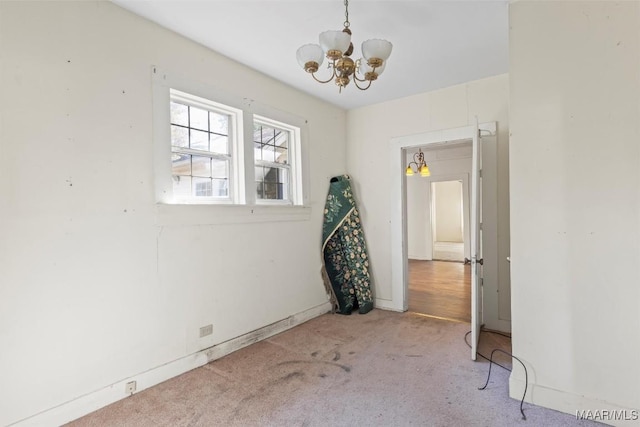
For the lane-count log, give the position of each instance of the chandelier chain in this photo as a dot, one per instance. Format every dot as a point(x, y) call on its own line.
point(346, 14)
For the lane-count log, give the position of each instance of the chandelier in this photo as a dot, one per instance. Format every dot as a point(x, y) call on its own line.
point(337, 47)
point(421, 165)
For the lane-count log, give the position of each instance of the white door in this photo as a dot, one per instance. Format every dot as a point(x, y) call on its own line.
point(476, 244)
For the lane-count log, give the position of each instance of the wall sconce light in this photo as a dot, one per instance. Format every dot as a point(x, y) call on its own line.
point(420, 164)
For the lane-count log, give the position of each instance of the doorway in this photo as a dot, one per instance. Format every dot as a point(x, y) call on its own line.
point(399, 258)
point(438, 209)
point(447, 221)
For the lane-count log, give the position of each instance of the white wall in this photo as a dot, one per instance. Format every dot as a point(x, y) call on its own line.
point(575, 202)
point(447, 200)
point(370, 130)
point(96, 284)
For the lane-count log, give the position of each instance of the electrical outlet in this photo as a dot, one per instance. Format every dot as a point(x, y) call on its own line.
point(130, 387)
point(206, 330)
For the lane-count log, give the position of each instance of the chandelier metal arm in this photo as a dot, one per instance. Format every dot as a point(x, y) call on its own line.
point(355, 75)
point(333, 75)
point(356, 80)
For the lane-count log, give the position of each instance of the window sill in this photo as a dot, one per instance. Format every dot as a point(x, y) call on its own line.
point(199, 214)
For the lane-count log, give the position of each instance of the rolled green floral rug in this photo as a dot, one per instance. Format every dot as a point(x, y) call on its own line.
point(345, 267)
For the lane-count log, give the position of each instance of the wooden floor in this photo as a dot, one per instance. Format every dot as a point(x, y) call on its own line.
point(440, 288)
point(443, 289)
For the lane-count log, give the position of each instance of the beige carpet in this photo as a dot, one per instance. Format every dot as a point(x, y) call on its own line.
point(378, 369)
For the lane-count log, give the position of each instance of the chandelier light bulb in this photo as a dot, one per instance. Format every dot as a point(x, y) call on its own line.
point(367, 70)
point(420, 165)
point(376, 49)
point(334, 43)
point(310, 57)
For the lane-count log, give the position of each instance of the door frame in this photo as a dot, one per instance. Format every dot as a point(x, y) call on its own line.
point(399, 261)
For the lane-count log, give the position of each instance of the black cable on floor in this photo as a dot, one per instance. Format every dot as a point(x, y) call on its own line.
point(482, 355)
point(526, 377)
point(491, 362)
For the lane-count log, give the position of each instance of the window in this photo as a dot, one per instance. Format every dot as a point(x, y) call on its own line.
point(229, 151)
point(272, 147)
point(201, 137)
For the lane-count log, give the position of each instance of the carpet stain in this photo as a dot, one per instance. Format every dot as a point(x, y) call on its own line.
point(337, 356)
point(263, 391)
point(290, 375)
point(343, 367)
point(314, 354)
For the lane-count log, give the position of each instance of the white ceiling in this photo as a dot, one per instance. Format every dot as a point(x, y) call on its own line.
point(435, 43)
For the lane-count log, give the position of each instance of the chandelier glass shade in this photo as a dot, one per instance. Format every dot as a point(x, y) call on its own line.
point(337, 47)
point(420, 165)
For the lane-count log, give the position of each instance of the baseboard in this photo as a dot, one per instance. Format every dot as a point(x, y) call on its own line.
point(419, 257)
point(569, 403)
point(385, 304)
point(95, 400)
point(498, 325)
point(227, 347)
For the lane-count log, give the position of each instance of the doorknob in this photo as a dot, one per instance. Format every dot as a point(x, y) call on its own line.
point(480, 261)
point(467, 261)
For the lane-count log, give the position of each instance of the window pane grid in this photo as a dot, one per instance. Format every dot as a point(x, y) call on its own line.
point(272, 183)
point(271, 152)
point(199, 176)
point(204, 166)
point(200, 152)
point(271, 144)
point(212, 188)
point(199, 129)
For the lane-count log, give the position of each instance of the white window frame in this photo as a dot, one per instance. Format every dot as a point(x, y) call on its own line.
point(234, 121)
point(243, 207)
point(294, 193)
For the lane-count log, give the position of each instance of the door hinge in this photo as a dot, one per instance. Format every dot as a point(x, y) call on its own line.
point(480, 173)
point(480, 226)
